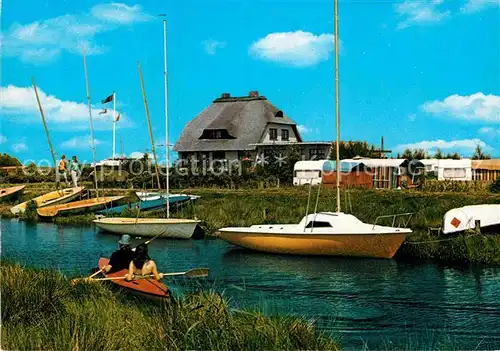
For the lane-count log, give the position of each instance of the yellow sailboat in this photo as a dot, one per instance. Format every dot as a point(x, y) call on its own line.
point(8, 194)
point(324, 233)
point(76, 207)
point(54, 197)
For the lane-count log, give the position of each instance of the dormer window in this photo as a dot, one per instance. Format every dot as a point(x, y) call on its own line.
point(273, 134)
point(279, 114)
point(216, 134)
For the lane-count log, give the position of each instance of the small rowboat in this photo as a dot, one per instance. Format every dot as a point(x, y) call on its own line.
point(52, 198)
point(144, 287)
point(82, 206)
point(8, 194)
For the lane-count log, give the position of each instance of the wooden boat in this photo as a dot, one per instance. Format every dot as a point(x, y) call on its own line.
point(483, 217)
point(147, 205)
point(149, 227)
point(9, 194)
point(88, 205)
point(144, 287)
point(324, 233)
point(54, 197)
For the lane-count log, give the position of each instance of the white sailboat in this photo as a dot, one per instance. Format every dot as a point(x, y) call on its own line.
point(324, 233)
point(168, 227)
point(483, 217)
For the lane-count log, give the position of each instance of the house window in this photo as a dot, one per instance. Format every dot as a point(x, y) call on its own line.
point(279, 114)
point(316, 154)
point(285, 135)
point(450, 173)
point(216, 134)
point(218, 155)
point(273, 134)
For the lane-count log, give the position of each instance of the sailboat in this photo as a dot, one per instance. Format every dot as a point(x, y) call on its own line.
point(323, 233)
point(51, 198)
point(168, 227)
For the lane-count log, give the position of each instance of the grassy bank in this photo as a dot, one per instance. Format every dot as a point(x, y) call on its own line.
point(218, 208)
point(42, 311)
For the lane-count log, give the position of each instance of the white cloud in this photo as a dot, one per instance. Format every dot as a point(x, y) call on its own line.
point(490, 131)
point(462, 146)
point(19, 147)
point(298, 48)
point(478, 5)
point(120, 13)
point(475, 107)
point(3, 139)
point(305, 130)
point(415, 12)
point(136, 154)
point(43, 41)
point(211, 46)
point(19, 105)
point(80, 142)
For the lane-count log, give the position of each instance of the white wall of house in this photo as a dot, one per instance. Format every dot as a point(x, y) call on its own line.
point(455, 169)
point(266, 137)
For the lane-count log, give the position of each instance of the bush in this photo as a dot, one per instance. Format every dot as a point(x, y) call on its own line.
point(495, 186)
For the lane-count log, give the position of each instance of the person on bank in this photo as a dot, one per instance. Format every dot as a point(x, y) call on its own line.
point(75, 171)
point(142, 264)
point(121, 258)
point(62, 170)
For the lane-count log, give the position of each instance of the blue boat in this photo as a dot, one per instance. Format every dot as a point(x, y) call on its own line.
point(146, 205)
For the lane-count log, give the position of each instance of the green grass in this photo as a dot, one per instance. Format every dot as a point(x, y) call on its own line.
point(41, 310)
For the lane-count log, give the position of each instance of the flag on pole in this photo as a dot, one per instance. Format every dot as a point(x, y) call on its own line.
point(108, 99)
point(104, 111)
point(118, 118)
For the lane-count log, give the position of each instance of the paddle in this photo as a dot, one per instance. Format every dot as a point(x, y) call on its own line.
point(192, 273)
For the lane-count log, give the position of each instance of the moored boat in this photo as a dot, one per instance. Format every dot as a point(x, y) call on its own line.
point(87, 205)
point(52, 198)
point(144, 287)
point(324, 233)
point(11, 193)
point(147, 196)
point(149, 227)
point(483, 217)
point(146, 205)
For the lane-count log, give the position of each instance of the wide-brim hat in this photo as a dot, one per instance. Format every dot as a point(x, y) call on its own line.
point(125, 240)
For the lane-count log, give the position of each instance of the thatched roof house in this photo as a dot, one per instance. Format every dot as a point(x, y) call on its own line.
point(236, 127)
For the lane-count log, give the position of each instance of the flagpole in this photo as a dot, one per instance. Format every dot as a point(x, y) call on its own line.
point(90, 122)
point(167, 146)
point(114, 123)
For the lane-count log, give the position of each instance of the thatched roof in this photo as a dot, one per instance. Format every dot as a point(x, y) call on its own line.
point(244, 119)
point(493, 164)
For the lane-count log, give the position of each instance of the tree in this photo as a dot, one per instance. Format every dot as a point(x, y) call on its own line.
point(439, 154)
point(479, 154)
point(353, 148)
point(454, 156)
point(7, 160)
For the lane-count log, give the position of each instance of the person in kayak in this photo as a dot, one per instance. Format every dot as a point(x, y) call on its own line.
point(142, 264)
point(121, 258)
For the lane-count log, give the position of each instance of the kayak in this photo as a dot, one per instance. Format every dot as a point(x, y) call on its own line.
point(150, 288)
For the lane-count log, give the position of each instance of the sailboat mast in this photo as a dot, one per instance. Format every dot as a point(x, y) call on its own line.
point(149, 124)
point(90, 122)
point(167, 146)
point(44, 123)
point(114, 124)
point(337, 102)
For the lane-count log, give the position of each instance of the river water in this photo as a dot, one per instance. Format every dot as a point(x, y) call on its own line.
point(383, 304)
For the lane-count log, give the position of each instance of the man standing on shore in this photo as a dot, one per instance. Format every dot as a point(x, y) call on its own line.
point(74, 169)
point(61, 170)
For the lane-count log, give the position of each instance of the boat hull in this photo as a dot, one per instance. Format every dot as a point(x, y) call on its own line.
point(78, 207)
point(12, 193)
point(149, 227)
point(150, 288)
point(146, 205)
point(355, 245)
point(52, 198)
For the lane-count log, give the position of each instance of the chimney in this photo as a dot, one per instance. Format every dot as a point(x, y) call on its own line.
point(253, 93)
point(225, 95)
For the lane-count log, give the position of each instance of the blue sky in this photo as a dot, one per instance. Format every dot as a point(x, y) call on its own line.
point(420, 73)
